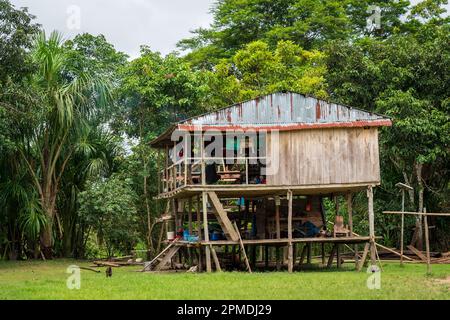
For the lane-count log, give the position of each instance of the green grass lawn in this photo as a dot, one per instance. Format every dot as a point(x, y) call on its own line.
point(47, 280)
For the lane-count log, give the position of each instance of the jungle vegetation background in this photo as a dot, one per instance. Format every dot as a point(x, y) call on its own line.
point(77, 176)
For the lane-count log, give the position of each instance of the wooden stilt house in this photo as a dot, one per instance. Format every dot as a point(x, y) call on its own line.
point(245, 185)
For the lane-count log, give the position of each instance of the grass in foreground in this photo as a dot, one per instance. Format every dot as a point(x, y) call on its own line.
point(47, 280)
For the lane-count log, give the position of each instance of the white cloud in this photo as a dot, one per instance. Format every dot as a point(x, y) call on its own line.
point(126, 23)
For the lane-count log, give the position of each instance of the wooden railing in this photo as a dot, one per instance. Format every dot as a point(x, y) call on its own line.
point(192, 171)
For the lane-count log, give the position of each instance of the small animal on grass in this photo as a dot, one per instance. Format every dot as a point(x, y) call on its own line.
point(108, 272)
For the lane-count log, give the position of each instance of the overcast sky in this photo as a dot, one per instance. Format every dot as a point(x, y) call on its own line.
point(127, 24)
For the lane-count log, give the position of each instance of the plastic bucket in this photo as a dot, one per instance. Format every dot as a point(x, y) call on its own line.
point(170, 235)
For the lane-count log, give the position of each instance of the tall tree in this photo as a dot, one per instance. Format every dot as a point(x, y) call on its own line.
point(257, 70)
point(68, 98)
point(156, 91)
point(309, 23)
point(17, 199)
point(407, 78)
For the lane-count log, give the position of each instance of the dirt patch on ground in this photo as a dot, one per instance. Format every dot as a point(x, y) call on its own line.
point(444, 281)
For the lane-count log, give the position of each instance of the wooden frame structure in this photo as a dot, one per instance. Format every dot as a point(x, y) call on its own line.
point(247, 216)
point(425, 215)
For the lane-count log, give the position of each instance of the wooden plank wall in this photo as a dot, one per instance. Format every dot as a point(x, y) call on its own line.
point(326, 156)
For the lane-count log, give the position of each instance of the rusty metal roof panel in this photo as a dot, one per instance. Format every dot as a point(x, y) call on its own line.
point(283, 109)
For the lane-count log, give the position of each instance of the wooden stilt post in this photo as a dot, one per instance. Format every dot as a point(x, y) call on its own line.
point(332, 254)
point(338, 256)
point(199, 232)
point(190, 216)
point(350, 223)
point(427, 240)
point(277, 223)
point(266, 256)
point(294, 255)
point(323, 253)
point(303, 254)
point(309, 255)
point(373, 257)
point(206, 231)
point(290, 248)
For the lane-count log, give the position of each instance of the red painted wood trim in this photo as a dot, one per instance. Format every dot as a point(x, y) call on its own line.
point(290, 127)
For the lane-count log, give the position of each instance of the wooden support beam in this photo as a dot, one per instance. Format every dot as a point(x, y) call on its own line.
point(373, 257)
point(278, 229)
point(442, 214)
point(303, 254)
point(215, 258)
point(323, 253)
point(387, 249)
point(243, 249)
point(332, 254)
point(309, 252)
point(427, 241)
point(190, 216)
point(199, 232)
point(402, 228)
point(222, 218)
point(206, 231)
point(364, 257)
point(350, 222)
point(266, 256)
point(290, 247)
point(338, 256)
point(418, 253)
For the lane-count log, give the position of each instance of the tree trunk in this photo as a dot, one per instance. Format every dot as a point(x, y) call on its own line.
point(46, 240)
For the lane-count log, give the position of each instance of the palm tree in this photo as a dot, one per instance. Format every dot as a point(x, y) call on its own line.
point(69, 99)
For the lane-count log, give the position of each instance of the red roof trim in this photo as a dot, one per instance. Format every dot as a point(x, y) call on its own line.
point(290, 127)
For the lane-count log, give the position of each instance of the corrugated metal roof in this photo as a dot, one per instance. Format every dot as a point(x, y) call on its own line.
point(284, 109)
point(280, 111)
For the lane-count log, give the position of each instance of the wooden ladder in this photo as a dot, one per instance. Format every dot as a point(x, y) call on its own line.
point(166, 255)
point(222, 218)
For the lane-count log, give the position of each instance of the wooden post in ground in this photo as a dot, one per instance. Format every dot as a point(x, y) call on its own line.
point(199, 232)
point(331, 258)
point(290, 248)
point(373, 256)
point(303, 254)
point(427, 240)
point(215, 258)
point(403, 228)
point(350, 223)
point(277, 223)
point(364, 256)
point(266, 256)
point(206, 231)
point(190, 216)
point(338, 256)
point(243, 248)
point(309, 253)
point(323, 253)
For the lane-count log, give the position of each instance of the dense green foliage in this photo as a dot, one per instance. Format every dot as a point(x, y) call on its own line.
point(109, 208)
point(76, 116)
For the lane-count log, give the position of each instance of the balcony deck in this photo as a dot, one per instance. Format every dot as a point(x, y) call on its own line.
point(261, 190)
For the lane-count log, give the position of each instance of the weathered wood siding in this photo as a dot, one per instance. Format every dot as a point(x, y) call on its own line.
point(326, 156)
